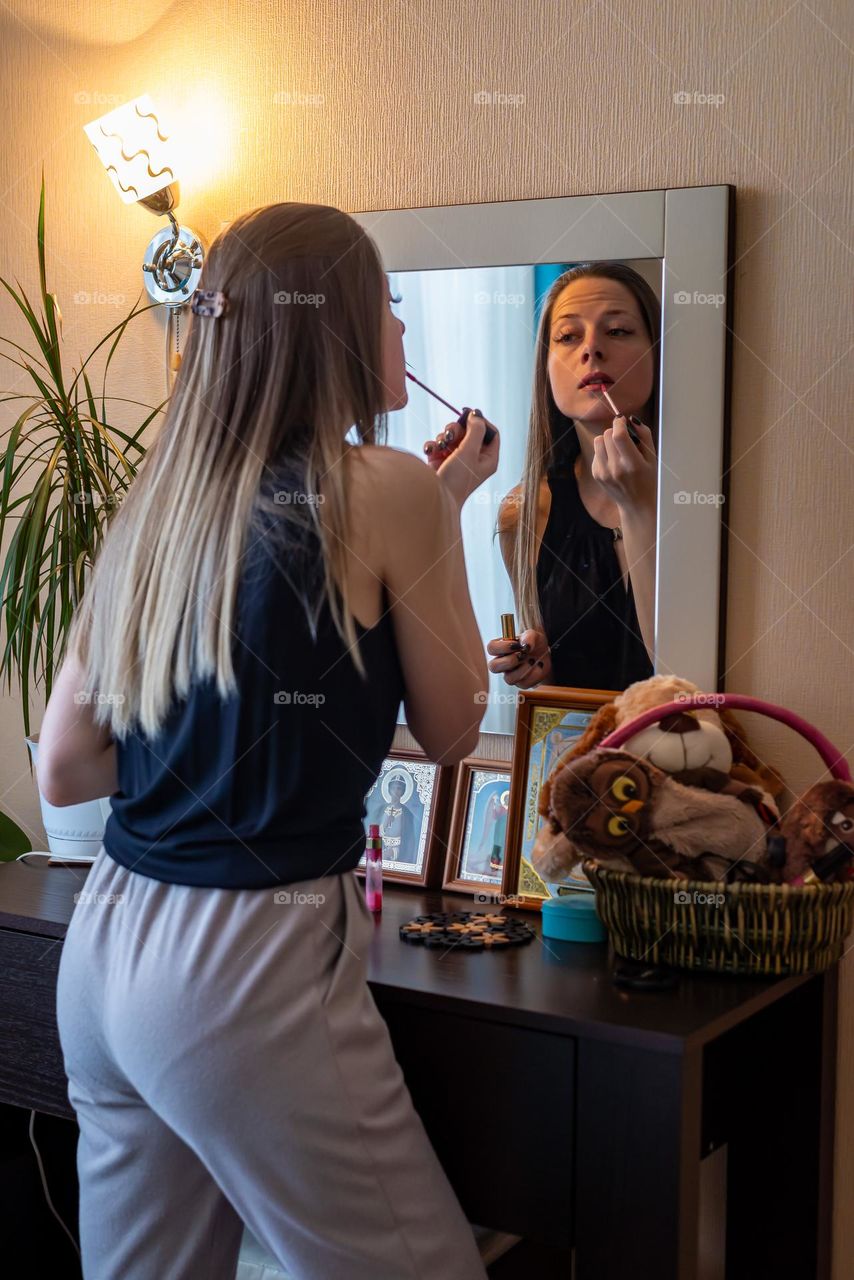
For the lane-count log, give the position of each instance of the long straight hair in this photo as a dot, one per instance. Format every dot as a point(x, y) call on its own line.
point(549, 427)
point(278, 381)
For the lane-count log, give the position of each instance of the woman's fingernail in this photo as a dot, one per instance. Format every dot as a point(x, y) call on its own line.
point(531, 661)
point(449, 435)
point(477, 413)
point(429, 446)
point(541, 664)
point(635, 420)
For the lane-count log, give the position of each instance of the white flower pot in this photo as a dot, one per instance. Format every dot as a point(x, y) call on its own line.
point(72, 829)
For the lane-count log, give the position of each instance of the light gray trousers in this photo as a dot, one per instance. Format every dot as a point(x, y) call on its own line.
point(227, 1064)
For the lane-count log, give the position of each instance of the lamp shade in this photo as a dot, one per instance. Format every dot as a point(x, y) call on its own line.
point(134, 148)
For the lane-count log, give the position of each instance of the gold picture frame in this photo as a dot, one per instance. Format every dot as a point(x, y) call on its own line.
point(549, 719)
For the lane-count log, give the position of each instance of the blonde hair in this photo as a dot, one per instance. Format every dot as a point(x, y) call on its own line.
point(295, 361)
point(548, 425)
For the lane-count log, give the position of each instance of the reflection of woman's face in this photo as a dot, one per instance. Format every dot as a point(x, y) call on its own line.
point(597, 325)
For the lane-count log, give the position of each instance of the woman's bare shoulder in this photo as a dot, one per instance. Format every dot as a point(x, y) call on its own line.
point(385, 462)
point(397, 496)
point(508, 509)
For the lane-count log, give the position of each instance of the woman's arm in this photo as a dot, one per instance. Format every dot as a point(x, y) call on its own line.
point(420, 558)
point(76, 757)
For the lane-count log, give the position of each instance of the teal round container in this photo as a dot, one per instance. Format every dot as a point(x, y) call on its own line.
point(573, 918)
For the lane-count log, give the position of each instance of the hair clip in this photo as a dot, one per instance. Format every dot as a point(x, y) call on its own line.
point(208, 302)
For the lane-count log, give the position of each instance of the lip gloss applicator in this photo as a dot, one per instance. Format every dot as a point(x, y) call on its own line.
point(632, 433)
point(489, 434)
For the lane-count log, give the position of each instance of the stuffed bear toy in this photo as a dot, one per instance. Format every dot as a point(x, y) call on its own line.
point(692, 749)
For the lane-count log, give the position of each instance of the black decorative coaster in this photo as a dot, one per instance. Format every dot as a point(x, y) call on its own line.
point(467, 931)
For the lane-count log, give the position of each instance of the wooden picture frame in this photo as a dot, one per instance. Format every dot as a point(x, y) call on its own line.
point(540, 712)
point(428, 839)
point(463, 872)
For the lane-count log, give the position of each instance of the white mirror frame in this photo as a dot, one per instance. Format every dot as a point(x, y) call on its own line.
point(690, 230)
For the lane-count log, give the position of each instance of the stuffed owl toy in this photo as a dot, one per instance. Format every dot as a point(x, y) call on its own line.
point(631, 816)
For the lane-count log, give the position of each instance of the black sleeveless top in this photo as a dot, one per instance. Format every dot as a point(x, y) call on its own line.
point(267, 787)
point(589, 617)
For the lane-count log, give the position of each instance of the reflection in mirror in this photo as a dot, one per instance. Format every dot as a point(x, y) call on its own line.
point(552, 534)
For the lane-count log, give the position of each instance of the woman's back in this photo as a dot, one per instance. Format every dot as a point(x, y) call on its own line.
point(266, 787)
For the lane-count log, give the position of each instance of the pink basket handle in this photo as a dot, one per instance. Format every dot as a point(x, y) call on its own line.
point(834, 760)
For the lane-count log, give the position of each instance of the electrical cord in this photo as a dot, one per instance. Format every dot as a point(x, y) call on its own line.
point(172, 360)
point(45, 1187)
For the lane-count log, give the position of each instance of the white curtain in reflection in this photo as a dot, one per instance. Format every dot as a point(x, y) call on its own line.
point(470, 336)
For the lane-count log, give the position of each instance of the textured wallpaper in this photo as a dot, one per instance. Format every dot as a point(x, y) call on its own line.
point(390, 103)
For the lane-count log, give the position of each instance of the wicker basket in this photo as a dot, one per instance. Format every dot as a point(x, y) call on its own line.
point(718, 927)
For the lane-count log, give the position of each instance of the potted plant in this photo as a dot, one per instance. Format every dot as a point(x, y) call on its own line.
point(66, 467)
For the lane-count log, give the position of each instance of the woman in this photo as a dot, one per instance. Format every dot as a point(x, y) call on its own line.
point(578, 534)
point(266, 595)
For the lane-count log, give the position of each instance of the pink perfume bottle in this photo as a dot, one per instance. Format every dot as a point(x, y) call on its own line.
point(374, 869)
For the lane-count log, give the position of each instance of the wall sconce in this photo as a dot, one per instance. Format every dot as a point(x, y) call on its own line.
point(139, 156)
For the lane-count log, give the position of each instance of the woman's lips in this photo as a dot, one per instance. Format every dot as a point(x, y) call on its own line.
point(596, 386)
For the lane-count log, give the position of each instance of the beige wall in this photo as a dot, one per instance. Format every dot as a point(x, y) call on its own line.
point(396, 125)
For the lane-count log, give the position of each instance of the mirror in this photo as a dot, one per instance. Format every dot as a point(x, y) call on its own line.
point(473, 281)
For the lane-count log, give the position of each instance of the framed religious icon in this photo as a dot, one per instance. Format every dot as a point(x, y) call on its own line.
point(477, 835)
point(549, 721)
point(408, 802)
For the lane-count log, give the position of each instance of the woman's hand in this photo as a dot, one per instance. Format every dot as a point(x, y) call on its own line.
point(471, 461)
point(627, 472)
point(524, 662)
